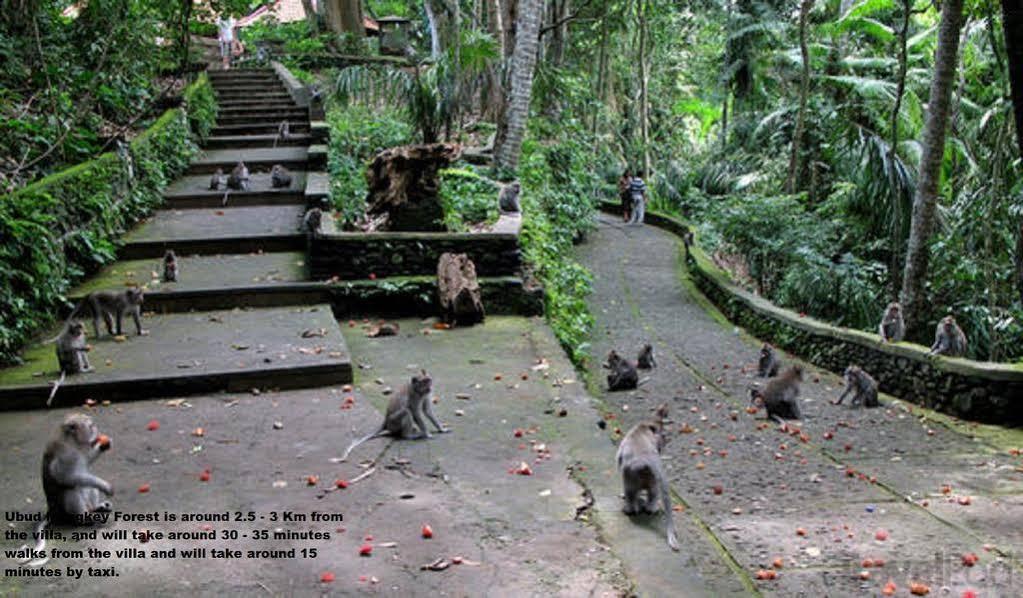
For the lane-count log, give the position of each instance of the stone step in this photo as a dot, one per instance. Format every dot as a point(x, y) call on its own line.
point(258, 159)
point(222, 74)
point(237, 91)
point(234, 106)
point(267, 140)
point(259, 128)
point(191, 353)
point(250, 118)
point(224, 82)
point(207, 231)
point(265, 95)
point(190, 192)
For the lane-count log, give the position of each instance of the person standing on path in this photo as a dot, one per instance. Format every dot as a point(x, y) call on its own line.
point(623, 194)
point(637, 192)
point(225, 35)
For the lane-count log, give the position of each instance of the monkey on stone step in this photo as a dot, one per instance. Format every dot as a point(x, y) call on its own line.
point(623, 374)
point(780, 396)
point(114, 304)
point(639, 460)
point(646, 360)
point(862, 386)
point(217, 179)
point(405, 413)
point(170, 266)
point(892, 327)
point(312, 220)
point(949, 339)
point(279, 177)
point(238, 180)
point(71, 354)
point(769, 363)
point(508, 199)
point(73, 492)
point(283, 132)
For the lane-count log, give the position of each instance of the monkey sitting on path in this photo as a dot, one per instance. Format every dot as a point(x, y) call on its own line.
point(646, 360)
point(862, 386)
point(623, 374)
point(780, 395)
point(405, 413)
point(639, 461)
point(769, 363)
point(280, 178)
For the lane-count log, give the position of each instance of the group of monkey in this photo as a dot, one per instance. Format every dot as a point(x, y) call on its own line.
point(238, 179)
point(644, 482)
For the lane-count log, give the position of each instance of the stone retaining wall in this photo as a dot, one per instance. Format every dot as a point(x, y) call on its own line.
point(973, 390)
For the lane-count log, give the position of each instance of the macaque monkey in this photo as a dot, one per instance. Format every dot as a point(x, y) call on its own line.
point(508, 199)
point(117, 303)
point(780, 395)
point(949, 339)
point(639, 460)
point(279, 177)
point(170, 266)
point(862, 386)
point(239, 177)
point(623, 374)
point(646, 360)
point(72, 491)
point(71, 354)
point(312, 220)
point(283, 132)
point(217, 179)
point(769, 363)
point(405, 413)
point(892, 327)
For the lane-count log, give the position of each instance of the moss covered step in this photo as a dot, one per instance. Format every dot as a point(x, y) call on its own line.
point(207, 231)
point(260, 128)
point(193, 192)
point(190, 353)
point(258, 159)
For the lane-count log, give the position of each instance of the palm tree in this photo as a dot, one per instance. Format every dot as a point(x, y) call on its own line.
point(512, 126)
point(946, 58)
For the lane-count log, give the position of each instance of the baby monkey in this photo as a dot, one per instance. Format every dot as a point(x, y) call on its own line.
point(861, 385)
point(405, 413)
point(623, 374)
point(639, 460)
point(892, 327)
point(949, 338)
point(769, 363)
point(780, 395)
point(170, 266)
point(646, 360)
point(280, 178)
point(217, 179)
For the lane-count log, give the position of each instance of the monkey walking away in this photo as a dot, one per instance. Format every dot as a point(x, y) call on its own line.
point(405, 414)
point(623, 374)
point(280, 178)
point(780, 395)
point(170, 266)
point(646, 360)
point(861, 385)
point(643, 479)
point(949, 339)
point(73, 492)
point(769, 363)
point(892, 327)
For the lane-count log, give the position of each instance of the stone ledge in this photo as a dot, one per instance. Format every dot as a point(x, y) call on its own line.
point(966, 388)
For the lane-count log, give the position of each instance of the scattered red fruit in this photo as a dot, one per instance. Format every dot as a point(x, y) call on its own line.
point(964, 500)
point(372, 276)
point(366, 550)
point(327, 577)
point(457, 560)
point(766, 574)
point(143, 488)
point(828, 436)
point(312, 480)
point(518, 432)
point(427, 531)
point(881, 535)
point(778, 563)
point(946, 489)
point(153, 425)
point(867, 563)
point(204, 476)
point(847, 447)
point(969, 594)
point(970, 559)
point(523, 469)
point(919, 589)
point(103, 441)
point(889, 588)
point(341, 484)
point(879, 562)
point(800, 531)
point(850, 472)
point(864, 575)
point(717, 489)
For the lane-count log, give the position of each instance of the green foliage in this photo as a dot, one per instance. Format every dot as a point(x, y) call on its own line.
point(467, 198)
point(201, 107)
point(65, 226)
point(357, 133)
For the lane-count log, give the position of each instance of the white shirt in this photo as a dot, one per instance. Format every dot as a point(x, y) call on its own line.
point(226, 27)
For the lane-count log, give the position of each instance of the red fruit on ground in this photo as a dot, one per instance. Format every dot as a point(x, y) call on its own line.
point(153, 425)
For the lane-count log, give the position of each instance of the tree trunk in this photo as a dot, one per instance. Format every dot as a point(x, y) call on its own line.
point(894, 270)
point(512, 127)
point(924, 204)
point(186, 35)
point(403, 185)
point(459, 290)
point(493, 97)
point(644, 80)
point(310, 16)
point(509, 18)
point(345, 16)
point(792, 184)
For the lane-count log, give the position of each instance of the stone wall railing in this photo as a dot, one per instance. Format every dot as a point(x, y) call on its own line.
point(973, 390)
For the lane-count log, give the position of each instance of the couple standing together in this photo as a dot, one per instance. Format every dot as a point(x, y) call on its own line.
point(632, 192)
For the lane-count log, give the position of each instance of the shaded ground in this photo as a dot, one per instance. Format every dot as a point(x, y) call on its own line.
point(852, 476)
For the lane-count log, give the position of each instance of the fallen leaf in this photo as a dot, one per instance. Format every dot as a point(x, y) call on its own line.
point(438, 565)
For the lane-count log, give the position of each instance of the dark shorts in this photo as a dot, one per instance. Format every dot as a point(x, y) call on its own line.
point(225, 49)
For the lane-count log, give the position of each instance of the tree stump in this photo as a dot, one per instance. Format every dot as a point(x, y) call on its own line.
point(404, 184)
point(459, 291)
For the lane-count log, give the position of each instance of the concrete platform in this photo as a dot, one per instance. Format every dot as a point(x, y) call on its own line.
point(258, 159)
point(217, 231)
point(189, 353)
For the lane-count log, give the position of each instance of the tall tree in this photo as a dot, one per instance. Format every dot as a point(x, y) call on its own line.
point(512, 126)
point(345, 16)
point(1012, 23)
point(792, 183)
point(643, 57)
point(946, 57)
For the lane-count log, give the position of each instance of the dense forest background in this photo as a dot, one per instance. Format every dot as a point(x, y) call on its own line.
point(834, 155)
